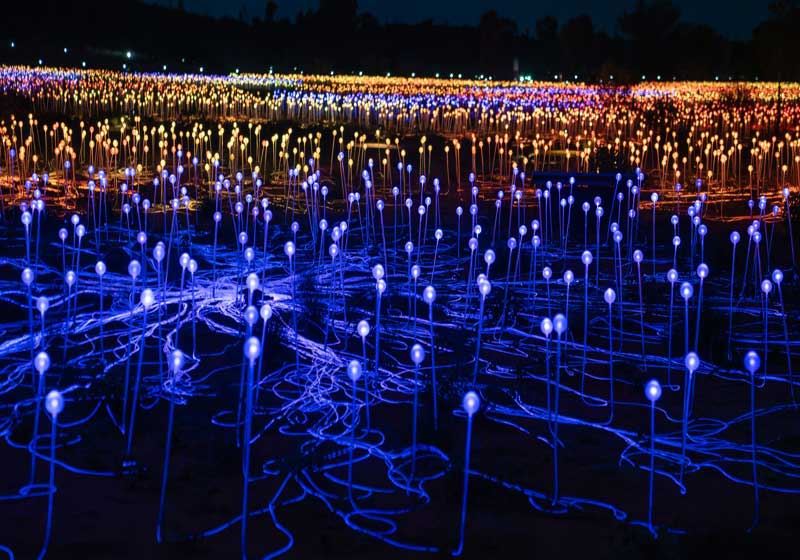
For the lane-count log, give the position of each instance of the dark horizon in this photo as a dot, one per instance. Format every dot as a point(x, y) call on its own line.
point(733, 24)
point(657, 39)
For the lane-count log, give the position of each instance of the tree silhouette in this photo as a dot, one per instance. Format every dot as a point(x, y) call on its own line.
point(775, 38)
point(577, 39)
point(496, 35)
point(650, 29)
point(270, 10)
point(650, 39)
point(547, 28)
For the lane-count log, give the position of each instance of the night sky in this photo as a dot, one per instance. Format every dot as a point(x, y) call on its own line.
point(734, 19)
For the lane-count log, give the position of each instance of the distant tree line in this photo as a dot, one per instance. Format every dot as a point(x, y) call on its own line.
point(650, 40)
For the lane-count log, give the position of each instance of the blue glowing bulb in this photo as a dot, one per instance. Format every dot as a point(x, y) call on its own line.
point(485, 287)
point(417, 354)
point(251, 315)
point(560, 323)
point(672, 275)
point(354, 370)
point(176, 360)
point(159, 252)
point(252, 349)
point(692, 362)
point(652, 390)
point(54, 403)
point(147, 298)
point(253, 282)
point(41, 362)
point(546, 326)
point(42, 304)
point(471, 402)
point(752, 361)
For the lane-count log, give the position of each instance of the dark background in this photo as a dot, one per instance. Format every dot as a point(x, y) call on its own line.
point(660, 39)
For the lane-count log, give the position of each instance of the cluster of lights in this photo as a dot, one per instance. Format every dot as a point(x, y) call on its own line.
point(505, 129)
